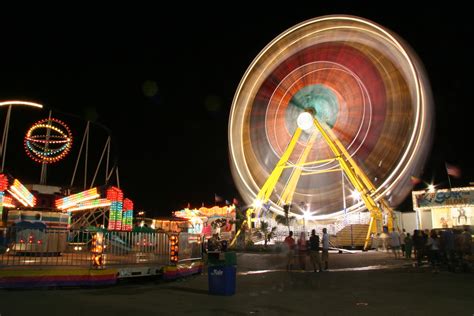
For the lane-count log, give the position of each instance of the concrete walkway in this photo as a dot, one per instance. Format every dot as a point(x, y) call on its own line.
point(394, 288)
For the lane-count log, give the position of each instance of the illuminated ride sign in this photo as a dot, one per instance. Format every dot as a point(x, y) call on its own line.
point(455, 197)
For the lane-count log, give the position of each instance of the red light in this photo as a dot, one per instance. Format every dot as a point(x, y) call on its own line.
point(22, 241)
point(39, 242)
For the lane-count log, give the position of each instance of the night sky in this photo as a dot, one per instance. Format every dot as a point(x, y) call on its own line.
point(163, 82)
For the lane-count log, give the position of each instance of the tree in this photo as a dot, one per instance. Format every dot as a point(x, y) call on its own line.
point(285, 219)
point(267, 234)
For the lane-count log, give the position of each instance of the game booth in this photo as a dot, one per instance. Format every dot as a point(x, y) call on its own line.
point(444, 208)
point(208, 221)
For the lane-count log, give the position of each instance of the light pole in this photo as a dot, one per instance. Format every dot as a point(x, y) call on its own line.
point(3, 146)
point(306, 216)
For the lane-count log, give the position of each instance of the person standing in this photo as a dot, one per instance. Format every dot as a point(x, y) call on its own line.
point(408, 246)
point(395, 242)
point(302, 250)
point(314, 251)
point(290, 245)
point(433, 250)
point(402, 240)
point(325, 254)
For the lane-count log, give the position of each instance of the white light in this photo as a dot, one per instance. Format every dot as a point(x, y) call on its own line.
point(257, 203)
point(305, 121)
point(17, 102)
point(306, 215)
point(356, 195)
point(431, 188)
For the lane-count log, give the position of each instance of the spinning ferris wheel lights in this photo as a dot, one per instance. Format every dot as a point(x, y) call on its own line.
point(362, 83)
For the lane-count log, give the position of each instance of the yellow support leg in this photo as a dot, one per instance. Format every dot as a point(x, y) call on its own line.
point(287, 195)
point(356, 176)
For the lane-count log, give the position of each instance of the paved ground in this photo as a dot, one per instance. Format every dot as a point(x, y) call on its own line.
point(388, 287)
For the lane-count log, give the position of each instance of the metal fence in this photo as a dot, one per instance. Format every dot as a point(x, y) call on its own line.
point(49, 247)
point(190, 247)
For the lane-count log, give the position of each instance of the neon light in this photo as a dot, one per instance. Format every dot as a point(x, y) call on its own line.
point(2, 202)
point(3, 182)
point(50, 147)
point(18, 102)
point(3, 187)
point(127, 215)
point(73, 200)
point(115, 196)
point(19, 199)
point(90, 205)
point(7, 201)
point(22, 194)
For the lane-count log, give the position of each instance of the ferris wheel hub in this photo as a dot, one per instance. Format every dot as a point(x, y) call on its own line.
point(305, 121)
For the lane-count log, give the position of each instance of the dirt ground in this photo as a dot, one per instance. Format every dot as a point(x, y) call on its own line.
point(370, 283)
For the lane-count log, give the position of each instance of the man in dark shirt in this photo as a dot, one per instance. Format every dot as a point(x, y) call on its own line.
point(314, 250)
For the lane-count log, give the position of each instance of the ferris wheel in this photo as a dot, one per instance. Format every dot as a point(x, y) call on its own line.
point(371, 103)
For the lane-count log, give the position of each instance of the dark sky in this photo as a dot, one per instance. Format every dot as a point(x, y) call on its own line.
point(172, 147)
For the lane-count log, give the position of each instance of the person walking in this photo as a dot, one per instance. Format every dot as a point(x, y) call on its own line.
point(314, 251)
point(325, 254)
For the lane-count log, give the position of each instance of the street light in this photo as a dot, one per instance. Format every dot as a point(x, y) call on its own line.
point(306, 216)
point(431, 188)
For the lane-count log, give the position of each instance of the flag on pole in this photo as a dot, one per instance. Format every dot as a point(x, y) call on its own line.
point(415, 180)
point(453, 171)
point(217, 198)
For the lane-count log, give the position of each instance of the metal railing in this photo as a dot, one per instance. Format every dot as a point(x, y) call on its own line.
point(49, 247)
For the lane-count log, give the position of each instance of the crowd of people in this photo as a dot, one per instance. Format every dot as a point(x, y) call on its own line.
point(301, 248)
point(438, 247)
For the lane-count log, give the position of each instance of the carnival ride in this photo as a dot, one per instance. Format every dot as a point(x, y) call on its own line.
point(333, 104)
point(47, 142)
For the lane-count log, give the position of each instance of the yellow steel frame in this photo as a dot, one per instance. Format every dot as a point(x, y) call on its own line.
point(354, 173)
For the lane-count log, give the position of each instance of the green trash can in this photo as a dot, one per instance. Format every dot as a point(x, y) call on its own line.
point(230, 258)
point(213, 258)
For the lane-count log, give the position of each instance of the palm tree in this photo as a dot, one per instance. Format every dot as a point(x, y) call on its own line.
point(285, 220)
point(267, 234)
